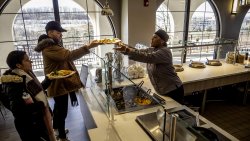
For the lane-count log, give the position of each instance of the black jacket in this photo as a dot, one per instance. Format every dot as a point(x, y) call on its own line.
point(11, 97)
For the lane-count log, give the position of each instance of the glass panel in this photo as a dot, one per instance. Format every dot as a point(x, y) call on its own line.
point(244, 37)
point(202, 30)
point(202, 27)
point(75, 20)
point(5, 46)
point(38, 6)
point(12, 8)
point(6, 28)
point(203, 53)
point(28, 25)
point(23, 27)
point(170, 17)
point(200, 54)
point(84, 26)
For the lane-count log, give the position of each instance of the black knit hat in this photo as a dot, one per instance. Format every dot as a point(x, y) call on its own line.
point(53, 25)
point(162, 34)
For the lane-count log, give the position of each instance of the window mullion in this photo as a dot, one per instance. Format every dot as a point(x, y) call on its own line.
point(186, 26)
point(56, 10)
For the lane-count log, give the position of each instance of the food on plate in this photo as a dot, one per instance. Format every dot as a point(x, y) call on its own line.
point(178, 68)
point(213, 62)
point(196, 64)
point(11, 78)
point(60, 74)
point(109, 41)
point(143, 101)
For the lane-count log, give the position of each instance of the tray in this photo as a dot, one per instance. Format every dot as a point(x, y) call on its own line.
point(125, 99)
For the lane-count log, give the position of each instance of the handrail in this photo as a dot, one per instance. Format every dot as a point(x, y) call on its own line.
point(202, 45)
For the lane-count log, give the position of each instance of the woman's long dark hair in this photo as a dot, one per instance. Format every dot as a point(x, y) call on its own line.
point(14, 58)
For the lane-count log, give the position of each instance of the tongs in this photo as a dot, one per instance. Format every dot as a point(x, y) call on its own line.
point(158, 99)
point(139, 88)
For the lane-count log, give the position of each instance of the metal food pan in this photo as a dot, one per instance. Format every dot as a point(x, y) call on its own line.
point(124, 98)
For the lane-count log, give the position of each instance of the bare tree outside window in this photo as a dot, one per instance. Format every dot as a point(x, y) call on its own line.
point(244, 37)
point(22, 22)
point(202, 27)
point(30, 24)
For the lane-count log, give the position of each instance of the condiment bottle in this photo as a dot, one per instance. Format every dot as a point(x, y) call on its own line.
point(27, 98)
point(246, 55)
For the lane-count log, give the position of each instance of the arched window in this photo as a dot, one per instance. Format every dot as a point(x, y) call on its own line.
point(202, 27)
point(164, 20)
point(23, 21)
point(244, 36)
point(198, 26)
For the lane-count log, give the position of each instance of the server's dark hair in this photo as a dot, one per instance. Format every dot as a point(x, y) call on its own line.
point(14, 58)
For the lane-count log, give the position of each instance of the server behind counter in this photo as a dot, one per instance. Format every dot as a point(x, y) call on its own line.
point(159, 65)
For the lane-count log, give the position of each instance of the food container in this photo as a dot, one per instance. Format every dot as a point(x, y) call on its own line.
point(232, 57)
point(98, 74)
point(133, 97)
point(136, 71)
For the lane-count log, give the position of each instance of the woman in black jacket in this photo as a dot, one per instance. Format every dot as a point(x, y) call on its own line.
point(25, 97)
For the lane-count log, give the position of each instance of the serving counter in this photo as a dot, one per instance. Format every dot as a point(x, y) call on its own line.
point(202, 79)
point(213, 76)
point(123, 127)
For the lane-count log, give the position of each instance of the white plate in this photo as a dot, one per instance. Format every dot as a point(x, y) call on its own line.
point(59, 76)
point(113, 42)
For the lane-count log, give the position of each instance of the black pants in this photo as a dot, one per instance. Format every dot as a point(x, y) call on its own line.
point(31, 130)
point(60, 112)
point(177, 94)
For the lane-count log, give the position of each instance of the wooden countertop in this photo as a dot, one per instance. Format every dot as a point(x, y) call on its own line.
point(190, 75)
point(212, 76)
